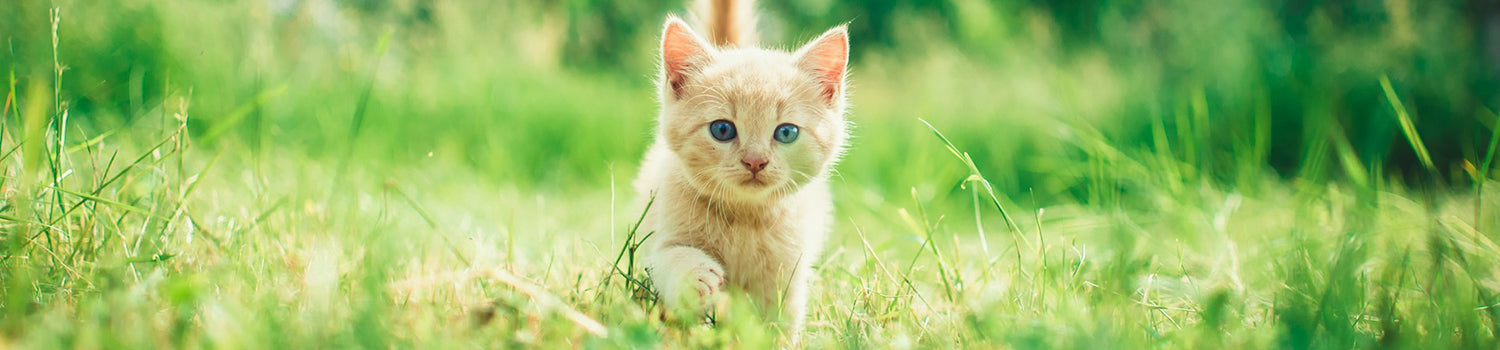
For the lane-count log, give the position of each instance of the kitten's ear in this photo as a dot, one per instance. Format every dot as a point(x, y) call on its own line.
point(681, 53)
point(827, 57)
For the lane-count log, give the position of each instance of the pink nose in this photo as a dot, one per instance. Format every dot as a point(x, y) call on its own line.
point(755, 164)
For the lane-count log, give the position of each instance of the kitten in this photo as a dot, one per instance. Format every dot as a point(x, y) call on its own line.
point(739, 167)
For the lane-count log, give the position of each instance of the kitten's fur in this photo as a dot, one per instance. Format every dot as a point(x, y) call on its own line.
point(718, 224)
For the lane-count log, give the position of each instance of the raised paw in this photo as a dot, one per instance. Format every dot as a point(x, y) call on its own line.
point(710, 282)
point(681, 271)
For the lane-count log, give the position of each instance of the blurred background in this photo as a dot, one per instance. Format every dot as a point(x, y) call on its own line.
point(1047, 96)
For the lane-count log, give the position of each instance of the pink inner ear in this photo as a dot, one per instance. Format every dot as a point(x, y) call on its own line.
point(827, 57)
point(680, 50)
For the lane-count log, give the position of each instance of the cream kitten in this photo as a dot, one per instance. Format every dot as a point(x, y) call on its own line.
point(745, 140)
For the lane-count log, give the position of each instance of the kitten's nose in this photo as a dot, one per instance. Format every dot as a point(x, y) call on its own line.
point(755, 164)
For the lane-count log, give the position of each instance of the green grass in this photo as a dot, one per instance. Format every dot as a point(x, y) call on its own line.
point(439, 187)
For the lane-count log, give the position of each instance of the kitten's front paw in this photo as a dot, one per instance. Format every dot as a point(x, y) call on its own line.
point(687, 279)
point(710, 282)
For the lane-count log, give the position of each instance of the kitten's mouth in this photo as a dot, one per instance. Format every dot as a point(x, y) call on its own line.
point(755, 180)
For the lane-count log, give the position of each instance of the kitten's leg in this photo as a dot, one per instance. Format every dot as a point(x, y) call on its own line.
point(795, 304)
point(686, 276)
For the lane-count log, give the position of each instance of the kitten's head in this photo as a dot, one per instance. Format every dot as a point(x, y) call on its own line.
point(752, 123)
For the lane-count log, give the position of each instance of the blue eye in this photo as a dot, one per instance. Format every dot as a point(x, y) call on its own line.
point(786, 133)
point(721, 130)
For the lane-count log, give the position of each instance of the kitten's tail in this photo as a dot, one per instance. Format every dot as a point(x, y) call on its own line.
point(729, 23)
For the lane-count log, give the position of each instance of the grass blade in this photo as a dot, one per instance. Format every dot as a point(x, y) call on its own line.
point(1407, 127)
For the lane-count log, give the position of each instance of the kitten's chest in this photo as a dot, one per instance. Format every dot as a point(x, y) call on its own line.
point(759, 248)
point(755, 256)
point(758, 235)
